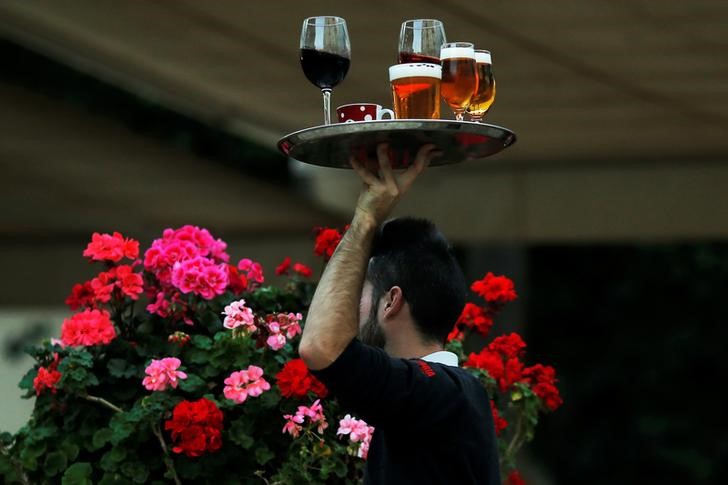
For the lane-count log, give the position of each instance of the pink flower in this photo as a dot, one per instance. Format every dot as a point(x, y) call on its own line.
point(237, 315)
point(90, 327)
point(163, 373)
point(241, 384)
point(201, 276)
point(359, 432)
point(177, 245)
point(106, 247)
point(315, 415)
point(282, 326)
point(293, 424)
point(253, 271)
point(276, 341)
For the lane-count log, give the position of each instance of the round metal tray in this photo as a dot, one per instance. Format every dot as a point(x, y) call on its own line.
point(333, 145)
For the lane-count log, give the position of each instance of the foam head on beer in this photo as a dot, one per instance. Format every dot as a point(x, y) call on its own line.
point(416, 90)
point(482, 57)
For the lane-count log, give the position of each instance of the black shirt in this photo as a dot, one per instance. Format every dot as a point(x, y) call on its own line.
point(433, 422)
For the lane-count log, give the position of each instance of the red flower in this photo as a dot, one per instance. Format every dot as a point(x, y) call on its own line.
point(303, 270)
point(196, 427)
point(500, 359)
point(82, 295)
point(514, 478)
point(455, 334)
point(495, 288)
point(105, 247)
point(295, 380)
point(473, 316)
point(542, 379)
point(90, 327)
point(130, 283)
point(47, 377)
point(498, 421)
point(283, 268)
point(238, 282)
point(326, 241)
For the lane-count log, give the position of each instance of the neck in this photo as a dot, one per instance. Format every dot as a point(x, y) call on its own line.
point(410, 348)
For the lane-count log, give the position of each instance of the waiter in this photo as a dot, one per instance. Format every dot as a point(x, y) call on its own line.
point(375, 332)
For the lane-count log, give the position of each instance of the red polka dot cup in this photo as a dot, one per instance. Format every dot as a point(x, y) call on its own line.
point(350, 113)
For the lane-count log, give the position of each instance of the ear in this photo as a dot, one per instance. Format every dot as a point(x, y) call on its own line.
point(393, 302)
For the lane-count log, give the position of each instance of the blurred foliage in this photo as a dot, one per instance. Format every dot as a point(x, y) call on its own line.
point(637, 334)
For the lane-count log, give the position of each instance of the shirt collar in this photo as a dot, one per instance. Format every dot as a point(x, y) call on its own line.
point(442, 357)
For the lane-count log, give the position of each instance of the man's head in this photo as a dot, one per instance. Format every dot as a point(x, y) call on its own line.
point(412, 264)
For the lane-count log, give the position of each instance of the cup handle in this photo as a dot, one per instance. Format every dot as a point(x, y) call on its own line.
point(382, 112)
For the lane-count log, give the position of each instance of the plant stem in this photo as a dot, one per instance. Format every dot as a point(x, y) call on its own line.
point(514, 445)
point(167, 459)
point(103, 402)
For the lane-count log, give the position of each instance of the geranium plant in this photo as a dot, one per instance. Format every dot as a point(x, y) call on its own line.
point(178, 366)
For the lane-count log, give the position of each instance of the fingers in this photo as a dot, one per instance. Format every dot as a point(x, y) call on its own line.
point(385, 167)
point(368, 177)
point(422, 160)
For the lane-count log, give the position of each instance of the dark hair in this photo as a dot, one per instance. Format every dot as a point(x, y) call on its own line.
point(412, 254)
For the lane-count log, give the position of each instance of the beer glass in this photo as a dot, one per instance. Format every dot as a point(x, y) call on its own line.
point(485, 94)
point(325, 55)
point(459, 81)
point(420, 41)
point(415, 90)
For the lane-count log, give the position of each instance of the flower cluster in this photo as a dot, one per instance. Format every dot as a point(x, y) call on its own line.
point(498, 422)
point(47, 377)
point(327, 239)
point(90, 327)
point(501, 359)
point(281, 328)
point(493, 288)
point(244, 383)
point(196, 427)
point(299, 269)
point(163, 373)
point(295, 380)
point(314, 415)
point(239, 315)
point(253, 271)
point(542, 379)
point(359, 432)
point(111, 247)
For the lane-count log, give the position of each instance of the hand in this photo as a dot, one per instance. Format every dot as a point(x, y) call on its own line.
point(382, 188)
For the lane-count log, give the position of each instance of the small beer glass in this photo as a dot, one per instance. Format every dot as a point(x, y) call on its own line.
point(459, 80)
point(485, 94)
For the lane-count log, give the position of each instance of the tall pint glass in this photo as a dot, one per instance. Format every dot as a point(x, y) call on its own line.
point(416, 90)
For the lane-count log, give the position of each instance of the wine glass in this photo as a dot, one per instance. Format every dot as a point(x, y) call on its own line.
point(325, 55)
point(459, 80)
point(420, 41)
point(485, 94)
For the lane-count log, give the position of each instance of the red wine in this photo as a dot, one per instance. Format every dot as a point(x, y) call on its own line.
point(407, 57)
point(324, 69)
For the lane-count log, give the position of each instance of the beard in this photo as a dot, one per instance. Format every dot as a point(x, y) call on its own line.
point(371, 333)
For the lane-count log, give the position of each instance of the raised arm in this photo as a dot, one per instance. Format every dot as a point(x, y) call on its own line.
point(333, 318)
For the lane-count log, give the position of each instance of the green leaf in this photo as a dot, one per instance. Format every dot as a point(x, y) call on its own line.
point(238, 434)
point(136, 471)
point(120, 429)
point(263, 454)
point(202, 342)
point(55, 462)
point(121, 368)
point(196, 356)
point(211, 321)
point(269, 399)
point(78, 474)
point(114, 478)
point(101, 437)
point(70, 450)
point(192, 384)
point(27, 381)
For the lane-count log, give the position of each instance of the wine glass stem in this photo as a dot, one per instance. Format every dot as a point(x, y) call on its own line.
point(327, 105)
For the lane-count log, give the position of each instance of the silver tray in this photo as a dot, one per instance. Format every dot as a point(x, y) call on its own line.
point(333, 145)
